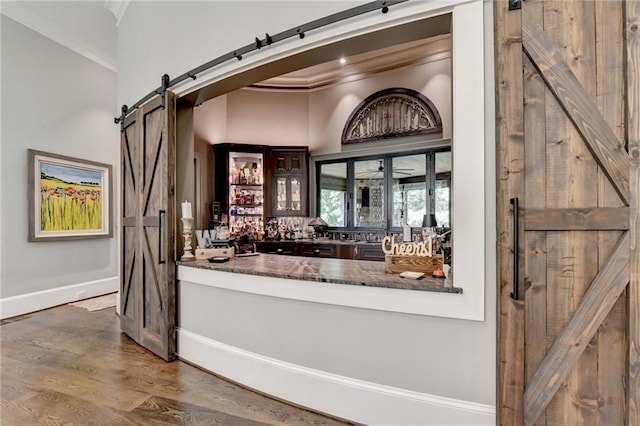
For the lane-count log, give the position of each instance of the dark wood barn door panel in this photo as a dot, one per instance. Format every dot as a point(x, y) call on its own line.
point(567, 124)
point(130, 146)
point(148, 274)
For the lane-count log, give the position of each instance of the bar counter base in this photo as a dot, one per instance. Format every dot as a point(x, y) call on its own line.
point(337, 395)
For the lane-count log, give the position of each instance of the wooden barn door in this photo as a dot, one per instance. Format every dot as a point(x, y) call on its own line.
point(148, 262)
point(568, 144)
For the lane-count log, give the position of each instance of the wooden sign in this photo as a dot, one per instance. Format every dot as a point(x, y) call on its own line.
point(399, 264)
point(421, 249)
point(205, 253)
point(413, 257)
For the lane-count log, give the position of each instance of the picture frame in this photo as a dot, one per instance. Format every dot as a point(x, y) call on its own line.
point(69, 198)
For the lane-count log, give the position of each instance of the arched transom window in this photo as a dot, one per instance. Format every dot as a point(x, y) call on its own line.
point(392, 113)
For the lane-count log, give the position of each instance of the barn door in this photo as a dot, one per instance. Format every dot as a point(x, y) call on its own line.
point(148, 270)
point(568, 130)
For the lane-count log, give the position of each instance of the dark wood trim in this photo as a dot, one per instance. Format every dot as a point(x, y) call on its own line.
point(580, 109)
point(574, 219)
point(574, 338)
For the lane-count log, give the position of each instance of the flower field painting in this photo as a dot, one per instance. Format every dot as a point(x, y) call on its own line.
point(70, 197)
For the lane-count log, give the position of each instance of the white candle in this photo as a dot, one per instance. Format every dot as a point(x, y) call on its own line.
point(186, 210)
point(406, 233)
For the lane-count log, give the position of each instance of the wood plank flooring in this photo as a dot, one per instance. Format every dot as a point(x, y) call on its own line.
point(67, 365)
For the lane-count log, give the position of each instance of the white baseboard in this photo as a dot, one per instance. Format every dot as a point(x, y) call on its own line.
point(344, 397)
point(31, 302)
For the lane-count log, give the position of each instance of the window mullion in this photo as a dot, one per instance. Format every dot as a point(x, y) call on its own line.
point(431, 182)
point(351, 207)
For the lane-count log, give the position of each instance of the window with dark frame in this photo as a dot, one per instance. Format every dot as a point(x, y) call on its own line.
point(383, 193)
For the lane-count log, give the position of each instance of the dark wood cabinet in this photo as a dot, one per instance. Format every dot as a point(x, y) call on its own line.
point(369, 252)
point(285, 186)
point(317, 250)
point(289, 162)
point(309, 249)
point(287, 182)
point(277, 247)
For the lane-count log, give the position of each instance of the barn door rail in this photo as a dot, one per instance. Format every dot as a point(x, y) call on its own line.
point(516, 248)
point(298, 31)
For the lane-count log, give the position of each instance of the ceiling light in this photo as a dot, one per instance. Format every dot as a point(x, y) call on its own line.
point(343, 61)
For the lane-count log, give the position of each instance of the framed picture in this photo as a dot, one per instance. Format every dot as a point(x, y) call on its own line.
point(69, 198)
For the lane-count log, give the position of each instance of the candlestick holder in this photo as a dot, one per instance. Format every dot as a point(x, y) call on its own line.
point(187, 229)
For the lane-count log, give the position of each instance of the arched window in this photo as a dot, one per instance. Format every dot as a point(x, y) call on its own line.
point(392, 113)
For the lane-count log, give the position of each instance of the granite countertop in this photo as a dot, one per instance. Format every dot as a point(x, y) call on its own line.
point(320, 241)
point(337, 271)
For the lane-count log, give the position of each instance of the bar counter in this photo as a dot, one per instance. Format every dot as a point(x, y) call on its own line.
point(335, 271)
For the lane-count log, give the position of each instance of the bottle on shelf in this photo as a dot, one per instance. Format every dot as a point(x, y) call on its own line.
point(245, 195)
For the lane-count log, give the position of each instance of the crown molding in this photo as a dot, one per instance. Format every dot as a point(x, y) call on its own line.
point(118, 8)
point(21, 14)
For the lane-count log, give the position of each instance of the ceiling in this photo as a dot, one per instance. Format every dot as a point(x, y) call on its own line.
point(361, 65)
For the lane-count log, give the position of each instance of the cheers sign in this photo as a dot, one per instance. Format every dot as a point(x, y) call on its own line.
point(392, 248)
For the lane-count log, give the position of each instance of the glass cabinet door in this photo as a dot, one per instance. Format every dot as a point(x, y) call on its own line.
point(295, 186)
point(287, 183)
point(282, 204)
point(245, 192)
point(288, 190)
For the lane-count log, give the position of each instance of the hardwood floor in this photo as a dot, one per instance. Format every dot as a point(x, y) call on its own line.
point(67, 365)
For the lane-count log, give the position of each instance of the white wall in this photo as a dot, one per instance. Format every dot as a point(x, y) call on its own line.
point(445, 357)
point(267, 117)
point(58, 101)
point(210, 120)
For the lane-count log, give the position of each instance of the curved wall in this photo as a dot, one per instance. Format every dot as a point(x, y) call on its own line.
point(423, 361)
point(316, 118)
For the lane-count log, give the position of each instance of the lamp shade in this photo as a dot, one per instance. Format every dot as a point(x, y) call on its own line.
point(319, 225)
point(429, 221)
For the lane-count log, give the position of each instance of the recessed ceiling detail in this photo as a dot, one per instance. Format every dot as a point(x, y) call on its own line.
point(362, 65)
point(392, 113)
